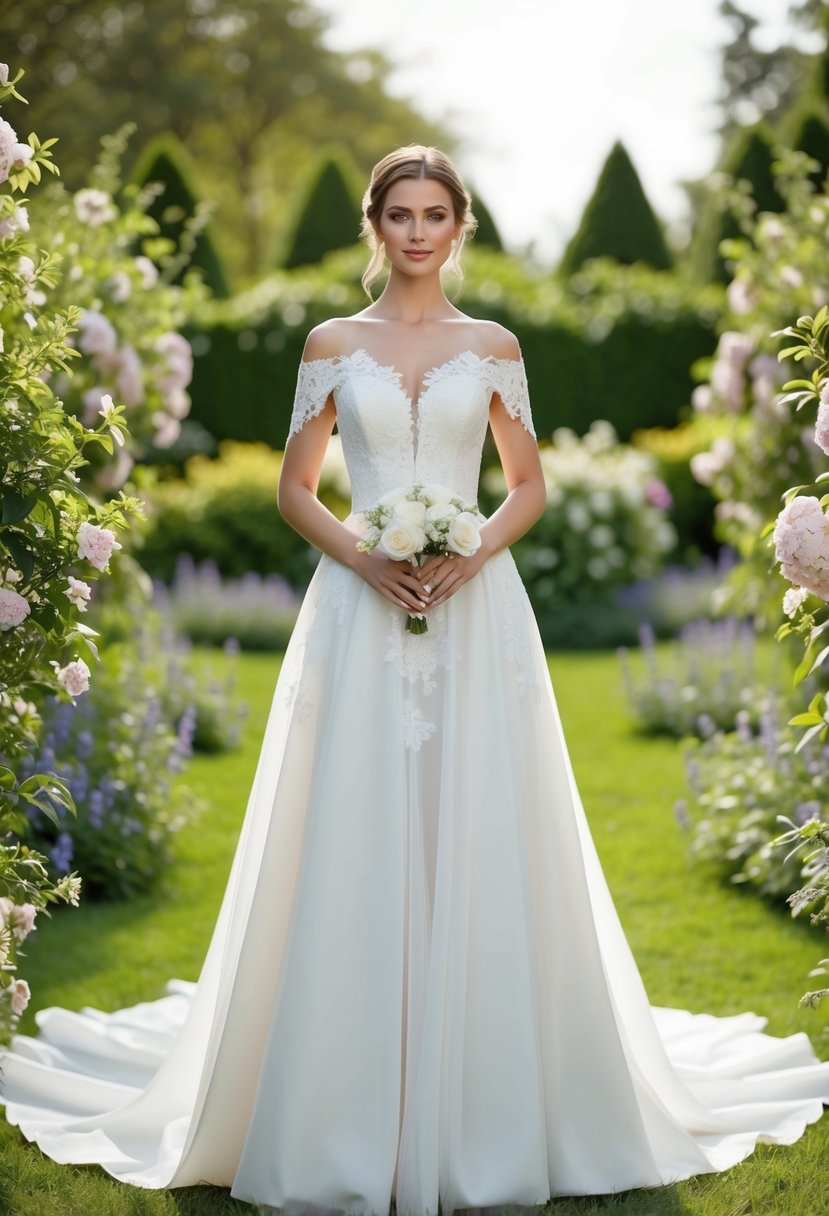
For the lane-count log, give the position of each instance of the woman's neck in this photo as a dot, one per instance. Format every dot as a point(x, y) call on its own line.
point(412, 301)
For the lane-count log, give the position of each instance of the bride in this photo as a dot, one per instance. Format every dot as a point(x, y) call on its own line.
point(417, 989)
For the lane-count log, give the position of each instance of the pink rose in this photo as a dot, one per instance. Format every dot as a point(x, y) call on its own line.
point(19, 992)
point(74, 677)
point(96, 544)
point(14, 608)
point(19, 917)
point(78, 592)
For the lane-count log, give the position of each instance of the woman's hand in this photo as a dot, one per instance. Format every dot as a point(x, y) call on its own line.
point(442, 574)
point(396, 580)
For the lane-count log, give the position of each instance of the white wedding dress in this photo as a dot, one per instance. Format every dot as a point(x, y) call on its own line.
point(418, 986)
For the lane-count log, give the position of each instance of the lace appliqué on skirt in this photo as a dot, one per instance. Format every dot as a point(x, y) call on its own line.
point(514, 605)
point(417, 655)
point(417, 728)
point(328, 617)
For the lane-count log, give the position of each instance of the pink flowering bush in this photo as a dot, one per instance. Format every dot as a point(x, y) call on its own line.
point(780, 268)
point(776, 440)
point(129, 314)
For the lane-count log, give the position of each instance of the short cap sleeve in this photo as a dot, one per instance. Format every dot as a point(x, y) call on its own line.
point(508, 378)
point(316, 379)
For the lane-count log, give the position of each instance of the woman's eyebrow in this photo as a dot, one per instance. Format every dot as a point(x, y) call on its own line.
point(436, 207)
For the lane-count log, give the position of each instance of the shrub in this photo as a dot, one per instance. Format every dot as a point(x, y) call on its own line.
point(327, 213)
point(618, 221)
point(740, 782)
point(225, 511)
point(604, 526)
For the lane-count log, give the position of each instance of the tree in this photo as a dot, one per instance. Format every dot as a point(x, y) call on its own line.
point(759, 83)
point(486, 234)
point(749, 159)
point(165, 160)
point(328, 211)
point(808, 131)
point(618, 221)
point(246, 85)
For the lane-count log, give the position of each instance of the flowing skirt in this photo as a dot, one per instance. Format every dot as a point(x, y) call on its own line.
point(418, 986)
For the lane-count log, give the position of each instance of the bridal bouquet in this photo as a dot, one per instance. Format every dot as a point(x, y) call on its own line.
point(415, 522)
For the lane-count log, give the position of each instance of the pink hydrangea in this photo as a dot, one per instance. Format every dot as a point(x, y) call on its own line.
point(74, 677)
point(14, 608)
point(822, 422)
point(96, 544)
point(801, 545)
point(19, 992)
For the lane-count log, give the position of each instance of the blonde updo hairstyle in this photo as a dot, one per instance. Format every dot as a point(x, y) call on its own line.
point(413, 161)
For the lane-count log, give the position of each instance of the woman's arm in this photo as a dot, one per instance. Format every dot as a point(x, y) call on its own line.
point(525, 503)
point(299, 506)
point(518, 451)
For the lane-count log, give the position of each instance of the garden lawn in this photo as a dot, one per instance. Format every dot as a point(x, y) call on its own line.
point(700, 944)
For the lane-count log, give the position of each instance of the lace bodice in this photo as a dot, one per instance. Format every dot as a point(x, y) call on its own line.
point(390, 440)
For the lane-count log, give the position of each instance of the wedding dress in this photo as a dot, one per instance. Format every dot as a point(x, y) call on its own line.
point(418, 986)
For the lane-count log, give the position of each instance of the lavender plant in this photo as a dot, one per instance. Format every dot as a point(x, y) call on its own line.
point(257, 611)
point(703, 682)
point(741, 781)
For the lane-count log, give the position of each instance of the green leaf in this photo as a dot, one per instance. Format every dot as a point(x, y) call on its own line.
point(15, 506)
point(810, 734)
point(23, 557)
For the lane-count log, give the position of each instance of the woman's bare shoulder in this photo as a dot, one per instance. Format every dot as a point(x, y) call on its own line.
point(328, 339)
point(496, 340)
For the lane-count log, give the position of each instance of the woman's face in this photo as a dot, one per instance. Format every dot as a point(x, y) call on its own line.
point(417, 215)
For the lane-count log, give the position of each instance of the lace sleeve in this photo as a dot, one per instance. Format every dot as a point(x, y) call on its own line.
point(316, 378)
point(509, 380)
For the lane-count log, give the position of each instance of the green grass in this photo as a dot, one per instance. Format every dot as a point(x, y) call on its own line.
point(700, 944)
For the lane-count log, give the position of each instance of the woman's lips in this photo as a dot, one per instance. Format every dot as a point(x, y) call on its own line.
point(418, 254)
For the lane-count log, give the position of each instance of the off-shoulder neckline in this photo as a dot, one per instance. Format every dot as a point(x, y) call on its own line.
point(427, 376)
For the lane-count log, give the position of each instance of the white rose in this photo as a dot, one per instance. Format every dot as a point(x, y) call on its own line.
point(410, 511)
point(436, 493)
point(441, 510)
point(392, 498)
point(401, 540)
point(78, 592)
point(464, 535)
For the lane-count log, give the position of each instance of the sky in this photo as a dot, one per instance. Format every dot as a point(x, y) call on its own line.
point(541, 89)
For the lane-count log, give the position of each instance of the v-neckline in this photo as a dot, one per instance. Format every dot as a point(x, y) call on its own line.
point(425, 382)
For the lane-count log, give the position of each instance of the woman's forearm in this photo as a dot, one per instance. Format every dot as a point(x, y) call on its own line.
point(301, 508)
point(523, 506)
